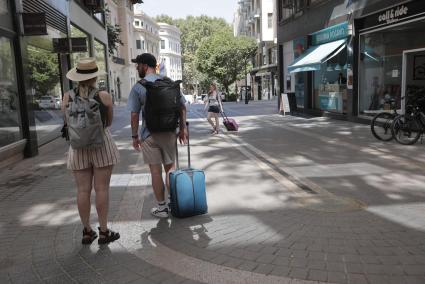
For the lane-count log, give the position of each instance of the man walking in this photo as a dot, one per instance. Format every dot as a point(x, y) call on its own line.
point(158, 148)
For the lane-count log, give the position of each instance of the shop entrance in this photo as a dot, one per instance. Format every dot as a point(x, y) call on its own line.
point(413, 78)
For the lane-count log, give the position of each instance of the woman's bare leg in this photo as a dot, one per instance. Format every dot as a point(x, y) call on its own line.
point(102, 178)
point(217, 123)
point(84, 180)
point(210, 115)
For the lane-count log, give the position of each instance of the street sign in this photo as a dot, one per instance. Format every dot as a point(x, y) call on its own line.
point(34, 24)
point(78, 44)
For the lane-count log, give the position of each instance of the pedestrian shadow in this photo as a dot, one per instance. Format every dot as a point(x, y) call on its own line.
point(192, 230)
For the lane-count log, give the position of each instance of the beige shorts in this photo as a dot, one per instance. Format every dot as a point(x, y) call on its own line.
point(159, 148)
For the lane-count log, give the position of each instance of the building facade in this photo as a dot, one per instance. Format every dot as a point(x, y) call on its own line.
point(122, 71)
point(146, 35)
point(170, 52)
point(257, 19)
point(39, 42)
point(348, 59)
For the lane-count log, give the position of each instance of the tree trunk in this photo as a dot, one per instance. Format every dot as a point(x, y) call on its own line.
point(226, 87)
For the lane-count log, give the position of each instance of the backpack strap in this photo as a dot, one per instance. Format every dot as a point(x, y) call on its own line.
point(72, 95)
point(142, 82)
point(93, 93)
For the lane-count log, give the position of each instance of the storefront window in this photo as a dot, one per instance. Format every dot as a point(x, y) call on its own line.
point(3, 7)
point(9, 113)
point(75, 56)
point(44, 70)
point(100, 54)
point(380, 65)
point(298, 49)
point(330, 84)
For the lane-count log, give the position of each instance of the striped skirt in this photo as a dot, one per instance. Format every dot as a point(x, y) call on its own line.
point(106, 155)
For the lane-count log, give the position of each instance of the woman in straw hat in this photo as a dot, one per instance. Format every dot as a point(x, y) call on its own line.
point(93, 166)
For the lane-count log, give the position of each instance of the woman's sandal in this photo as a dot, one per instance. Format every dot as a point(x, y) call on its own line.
point(107, 237)
point(88, 237)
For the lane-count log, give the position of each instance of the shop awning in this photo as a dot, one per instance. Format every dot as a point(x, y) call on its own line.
point(316, 56)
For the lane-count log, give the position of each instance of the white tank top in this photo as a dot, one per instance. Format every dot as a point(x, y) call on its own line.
point(213, 99)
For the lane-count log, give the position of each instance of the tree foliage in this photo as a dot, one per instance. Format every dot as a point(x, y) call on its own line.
point(194, 31)
point(114, 39)
point(215, 36)
point(113, 33)
point(225, 57)
point(165, 19)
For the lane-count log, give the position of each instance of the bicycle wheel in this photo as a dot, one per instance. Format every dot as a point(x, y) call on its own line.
point(381, 126)
point(406, 130)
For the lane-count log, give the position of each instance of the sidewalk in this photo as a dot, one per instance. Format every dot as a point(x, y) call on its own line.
point(264, 225)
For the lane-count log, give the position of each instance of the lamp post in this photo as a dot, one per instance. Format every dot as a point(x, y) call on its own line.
point(246, 83)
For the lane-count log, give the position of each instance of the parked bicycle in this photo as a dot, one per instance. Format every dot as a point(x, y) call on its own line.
point(408, 127)
point(381, 123)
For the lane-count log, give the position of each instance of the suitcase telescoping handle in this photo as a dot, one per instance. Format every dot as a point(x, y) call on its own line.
point(188, 148)
point(223, 114)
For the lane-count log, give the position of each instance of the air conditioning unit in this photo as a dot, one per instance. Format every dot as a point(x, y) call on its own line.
point(91, 3)
point(95, 5)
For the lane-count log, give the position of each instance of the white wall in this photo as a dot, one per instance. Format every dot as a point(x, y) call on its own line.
point(267, 33)
point(171, 54)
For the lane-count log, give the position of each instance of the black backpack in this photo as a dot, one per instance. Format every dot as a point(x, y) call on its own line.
point(162, 106)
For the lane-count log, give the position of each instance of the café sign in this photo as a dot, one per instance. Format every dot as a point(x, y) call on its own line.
point(393, 15)
point(332, 33)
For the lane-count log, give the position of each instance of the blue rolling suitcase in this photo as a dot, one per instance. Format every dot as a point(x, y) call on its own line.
point(187, 190)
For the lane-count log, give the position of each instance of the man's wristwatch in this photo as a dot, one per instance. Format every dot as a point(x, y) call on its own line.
point(134, 136)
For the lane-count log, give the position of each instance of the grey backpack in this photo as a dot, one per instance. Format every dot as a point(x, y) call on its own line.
point(84, 121)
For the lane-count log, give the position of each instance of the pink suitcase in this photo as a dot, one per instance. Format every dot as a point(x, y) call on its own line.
point(229, 123)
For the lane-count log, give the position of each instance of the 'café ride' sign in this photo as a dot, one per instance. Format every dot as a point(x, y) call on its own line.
point(393, 15)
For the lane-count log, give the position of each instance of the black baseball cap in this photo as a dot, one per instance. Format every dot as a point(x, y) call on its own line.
point(145, 58)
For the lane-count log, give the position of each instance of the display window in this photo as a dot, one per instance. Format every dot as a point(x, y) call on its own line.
point(4, 9)
point(78, 33)
point(381, 66)
point(45, 83)
point(330, 84)
point(10, 130)
point(299, 47)
point(100, 55)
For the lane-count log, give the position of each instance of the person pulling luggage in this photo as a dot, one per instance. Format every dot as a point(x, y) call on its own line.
point(163, 110)
point(214, 106)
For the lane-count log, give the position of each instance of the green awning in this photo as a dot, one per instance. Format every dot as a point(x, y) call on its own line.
point(316, 56)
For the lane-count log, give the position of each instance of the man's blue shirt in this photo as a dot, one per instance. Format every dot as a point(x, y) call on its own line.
point(137, 99)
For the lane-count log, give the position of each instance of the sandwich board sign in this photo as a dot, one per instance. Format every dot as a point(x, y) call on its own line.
point(284, 104)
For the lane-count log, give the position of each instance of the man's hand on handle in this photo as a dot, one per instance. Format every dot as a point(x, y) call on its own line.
point(137, 145)
point(183, 136)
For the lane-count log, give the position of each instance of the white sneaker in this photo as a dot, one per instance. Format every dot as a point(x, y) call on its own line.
point(160, 213)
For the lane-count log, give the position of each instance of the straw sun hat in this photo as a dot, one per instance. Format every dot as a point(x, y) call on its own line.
point(86, 69)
